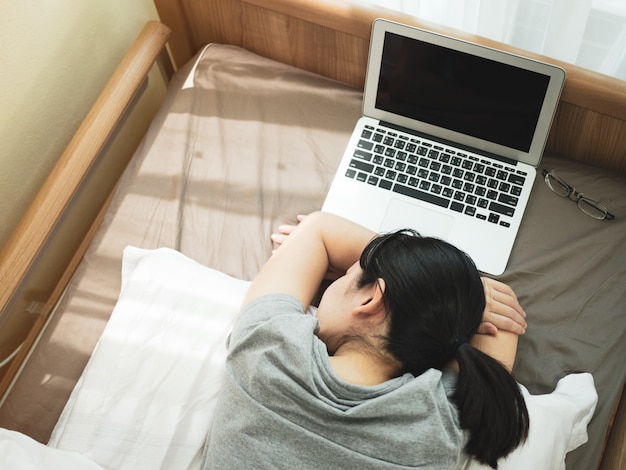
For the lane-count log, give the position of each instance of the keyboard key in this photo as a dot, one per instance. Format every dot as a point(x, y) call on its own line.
point(493, 218)
point(421, 195)
point(364, 144)
point(350, 173)
point(363, 166)
point(363, 155)
point(507, 199)
point(366, 134)
point(469, 210)
point(457, 206)
point(501, 209)
point(516, 179)
point(373, 180)
point(385, 184)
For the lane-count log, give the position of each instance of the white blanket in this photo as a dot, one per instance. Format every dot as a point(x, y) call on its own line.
point(146, 397)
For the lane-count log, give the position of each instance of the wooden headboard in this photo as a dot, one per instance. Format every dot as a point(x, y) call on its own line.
point(331, 38)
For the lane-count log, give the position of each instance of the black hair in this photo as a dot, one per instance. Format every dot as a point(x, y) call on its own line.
point(435, 299)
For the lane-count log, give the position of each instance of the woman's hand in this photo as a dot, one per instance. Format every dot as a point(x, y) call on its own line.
point(285, 230)
point(502, 309)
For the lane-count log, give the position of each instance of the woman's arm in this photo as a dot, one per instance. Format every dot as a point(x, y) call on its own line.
point(320, 243)
point(502, 310)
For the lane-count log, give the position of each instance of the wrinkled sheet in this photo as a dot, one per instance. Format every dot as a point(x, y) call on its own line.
point(243, 144)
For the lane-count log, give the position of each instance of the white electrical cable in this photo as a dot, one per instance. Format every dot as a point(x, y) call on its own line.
point(10, 357)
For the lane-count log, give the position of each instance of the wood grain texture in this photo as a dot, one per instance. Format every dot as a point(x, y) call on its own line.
point(331, 38)
point(45, 214)
point(614, 456)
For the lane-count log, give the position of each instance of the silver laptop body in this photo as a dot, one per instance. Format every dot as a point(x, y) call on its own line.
point(448, 143)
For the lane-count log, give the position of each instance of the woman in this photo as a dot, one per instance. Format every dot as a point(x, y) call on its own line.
point(370, 381)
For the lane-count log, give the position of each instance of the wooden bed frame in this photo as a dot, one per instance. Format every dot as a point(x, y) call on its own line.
point(330, 38)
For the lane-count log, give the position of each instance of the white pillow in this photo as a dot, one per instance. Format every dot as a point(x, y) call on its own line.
point(20, 452)
point(558, 424)
point(146, 398)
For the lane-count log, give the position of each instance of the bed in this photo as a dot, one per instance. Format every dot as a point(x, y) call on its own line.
point(259, 110)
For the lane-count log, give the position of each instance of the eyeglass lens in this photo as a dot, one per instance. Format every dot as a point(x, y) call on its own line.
point(591, 208)
point(557, 185)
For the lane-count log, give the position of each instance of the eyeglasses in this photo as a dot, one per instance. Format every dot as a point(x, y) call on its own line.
point(588, 206)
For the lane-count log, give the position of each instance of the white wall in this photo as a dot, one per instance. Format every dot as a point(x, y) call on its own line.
point(55, 57)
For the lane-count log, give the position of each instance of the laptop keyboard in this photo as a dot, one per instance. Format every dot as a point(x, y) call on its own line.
point(432, 172)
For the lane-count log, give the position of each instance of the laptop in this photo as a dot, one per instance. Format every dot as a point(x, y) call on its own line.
point(449, 141)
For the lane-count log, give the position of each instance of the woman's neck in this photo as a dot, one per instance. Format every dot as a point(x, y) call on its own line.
point(362, 368)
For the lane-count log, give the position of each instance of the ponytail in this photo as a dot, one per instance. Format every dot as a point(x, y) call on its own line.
point(491, 406)
point(435, 299)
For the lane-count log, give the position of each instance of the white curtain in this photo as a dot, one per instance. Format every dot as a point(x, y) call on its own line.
point(589, 33)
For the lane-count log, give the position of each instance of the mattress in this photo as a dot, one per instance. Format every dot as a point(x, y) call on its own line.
point(243, 144)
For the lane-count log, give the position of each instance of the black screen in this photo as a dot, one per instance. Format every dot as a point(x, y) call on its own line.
point(460, 92)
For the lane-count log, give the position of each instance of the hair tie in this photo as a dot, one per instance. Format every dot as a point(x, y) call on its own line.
point(457, 343)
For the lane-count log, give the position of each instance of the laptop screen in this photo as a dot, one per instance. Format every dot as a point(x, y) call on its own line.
point(465, 93)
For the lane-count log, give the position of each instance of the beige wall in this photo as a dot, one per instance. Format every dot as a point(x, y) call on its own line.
point(55, 57)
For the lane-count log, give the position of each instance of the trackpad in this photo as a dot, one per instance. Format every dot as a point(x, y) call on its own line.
point(428, 223)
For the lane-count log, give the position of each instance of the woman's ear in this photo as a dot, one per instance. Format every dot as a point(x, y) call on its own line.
point(371, 301)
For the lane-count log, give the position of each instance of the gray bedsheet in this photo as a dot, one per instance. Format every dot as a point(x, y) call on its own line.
point(243, 144)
